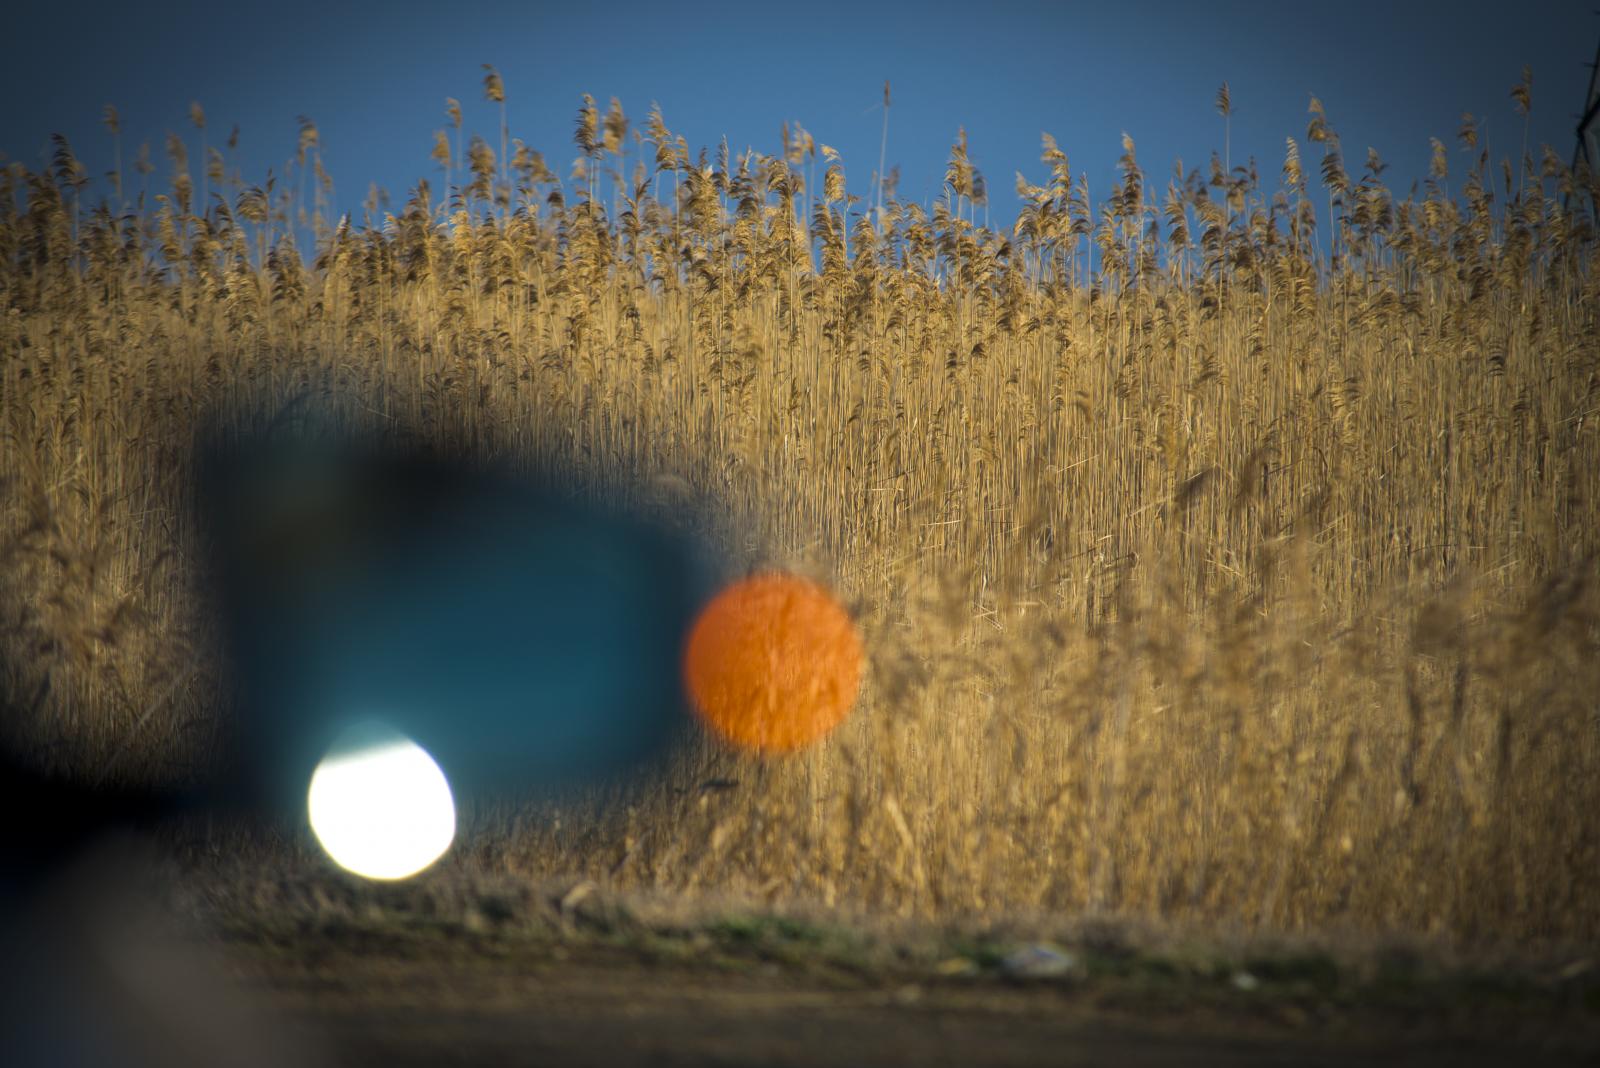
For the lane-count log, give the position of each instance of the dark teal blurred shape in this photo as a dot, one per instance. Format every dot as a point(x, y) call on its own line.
point(528, 640)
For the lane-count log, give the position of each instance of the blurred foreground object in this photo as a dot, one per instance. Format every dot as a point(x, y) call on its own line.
point(773, 663)
point(99, 975)
point(522, 639)
point(380, 805)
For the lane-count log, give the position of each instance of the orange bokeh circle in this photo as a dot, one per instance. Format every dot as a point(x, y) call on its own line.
point(773, 663)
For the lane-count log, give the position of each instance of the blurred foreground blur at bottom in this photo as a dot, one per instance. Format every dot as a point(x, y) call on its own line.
point(98, 972)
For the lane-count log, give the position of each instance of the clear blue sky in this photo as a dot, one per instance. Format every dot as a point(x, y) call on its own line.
point(374, 77)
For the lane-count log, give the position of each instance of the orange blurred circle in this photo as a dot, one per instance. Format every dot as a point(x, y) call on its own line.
point(773, 663)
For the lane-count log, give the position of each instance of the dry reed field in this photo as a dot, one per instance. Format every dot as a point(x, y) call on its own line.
point(1224, 546)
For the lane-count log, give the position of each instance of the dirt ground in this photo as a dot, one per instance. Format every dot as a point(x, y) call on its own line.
point(606, 1006)
point(260, 964)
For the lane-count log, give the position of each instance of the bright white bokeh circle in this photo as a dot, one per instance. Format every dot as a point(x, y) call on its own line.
point(381, 809)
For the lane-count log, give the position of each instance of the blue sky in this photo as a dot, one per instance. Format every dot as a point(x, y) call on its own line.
point(374, 77)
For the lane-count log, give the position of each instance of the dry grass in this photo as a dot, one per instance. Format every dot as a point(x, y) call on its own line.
point(1243, 571)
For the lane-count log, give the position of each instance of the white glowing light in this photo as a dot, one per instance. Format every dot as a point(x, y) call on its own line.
point(381, 809)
